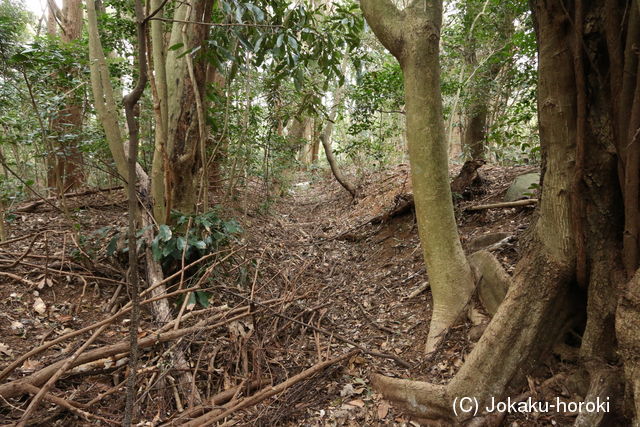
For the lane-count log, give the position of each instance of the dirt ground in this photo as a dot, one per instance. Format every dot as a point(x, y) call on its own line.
point(319, 278)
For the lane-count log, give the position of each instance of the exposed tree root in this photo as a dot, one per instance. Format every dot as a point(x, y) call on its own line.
point(627, 327)
point(492, 282)
point(421, 399)
point(515, 339)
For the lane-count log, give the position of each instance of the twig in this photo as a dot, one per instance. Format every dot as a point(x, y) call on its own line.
point(70, 406)
point(31, 206)
point(217, 415)
point(12, 388)
point(18, 278)
point(52, 380)
point(6, 371)
point(396, 359)
point(25, 253)
point(503, 205)
point(373, 322)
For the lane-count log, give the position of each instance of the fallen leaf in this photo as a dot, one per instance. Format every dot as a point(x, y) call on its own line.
point(39, 306)
point(17, 327)
point(31, 365)
point(357, 402)
point(346, 391)
point(383, 409)
point(4, 349)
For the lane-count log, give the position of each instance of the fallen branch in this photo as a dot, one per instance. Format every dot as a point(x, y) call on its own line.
point(217, 415)
point(14, 388)
point(217, 400)
point(6, 371)
point(503, 205)
point(33, 205)
point(71, 406)
point(332, 334)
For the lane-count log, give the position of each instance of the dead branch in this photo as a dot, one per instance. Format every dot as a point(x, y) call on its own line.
point(52, 380)
point(217, 415)
point(372, 321)
point(340, 338)
point(503, 205)
point(7, 370)
point(30, 207)
point(217, 400)
point(71, 406)
point(13, 388)
point(18, 278)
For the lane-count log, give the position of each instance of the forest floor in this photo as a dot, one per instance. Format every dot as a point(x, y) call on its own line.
point(318, 277)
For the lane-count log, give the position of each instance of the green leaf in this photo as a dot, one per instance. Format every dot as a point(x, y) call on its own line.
point(203, 298)
point(155, 250)
point(164, 233)
point(112, 246)
point(176, 46)
point(181, 243)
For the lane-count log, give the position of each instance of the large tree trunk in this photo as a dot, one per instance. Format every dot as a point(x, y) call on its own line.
point(413, 37)
point(65, 166)
point(186, 104)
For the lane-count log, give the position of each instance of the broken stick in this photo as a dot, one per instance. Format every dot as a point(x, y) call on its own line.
point(216, 415)
point(503, 205)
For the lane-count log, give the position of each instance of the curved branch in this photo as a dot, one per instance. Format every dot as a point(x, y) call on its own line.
point(386, 21)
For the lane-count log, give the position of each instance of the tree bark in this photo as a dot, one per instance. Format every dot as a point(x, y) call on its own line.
point(413, 37)
point(185, 98)
point(65, 167)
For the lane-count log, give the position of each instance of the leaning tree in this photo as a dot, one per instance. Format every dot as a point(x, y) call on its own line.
point(579, 268)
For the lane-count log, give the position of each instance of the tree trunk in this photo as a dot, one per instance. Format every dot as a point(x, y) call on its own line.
point(325, 137)
point(186, 104)
point(571, 270)
point(65, 166)
point(107, 113)
point(413, 37)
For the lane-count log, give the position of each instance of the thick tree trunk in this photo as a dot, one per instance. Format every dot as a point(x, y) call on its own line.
point(571, 270)
point(186, 102)
point(413, 37)
point(65, 166)
point(474, 132)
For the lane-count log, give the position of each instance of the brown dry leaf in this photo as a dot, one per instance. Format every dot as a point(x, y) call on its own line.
point(39, 306)
point(357, 402)
point(383, 409)
point(4, 349)
point(31, 365)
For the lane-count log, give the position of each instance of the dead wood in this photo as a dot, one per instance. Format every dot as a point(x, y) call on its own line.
point(467, 176)
point(332, 334)
point(217, 414)
point(59, 373)
point(30, 207)
point(503, 205)
point(7, 370)
point(14, 388)
point(71, 406)
point(217, 400)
